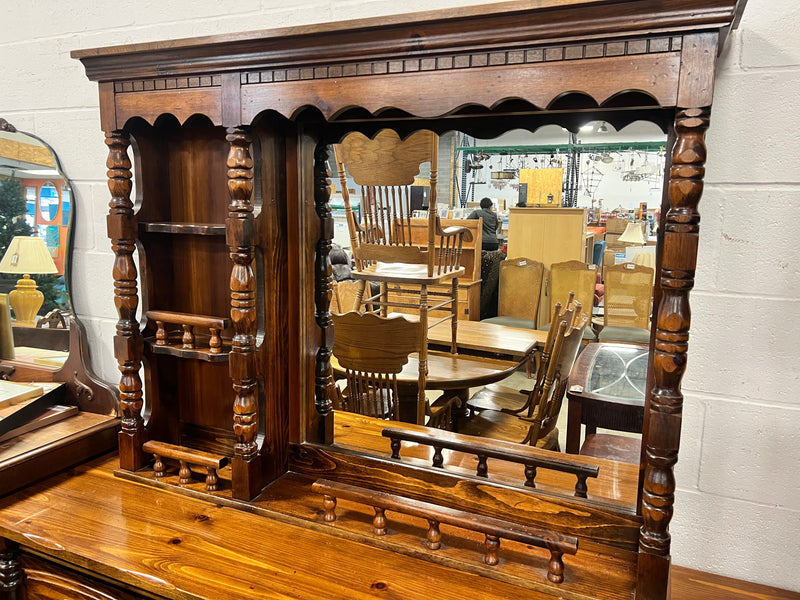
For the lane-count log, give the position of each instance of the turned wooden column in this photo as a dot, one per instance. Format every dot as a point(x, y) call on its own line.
point(323, 387)
point(240, 236)
point(10, 571)
point(681, 230)
point(128, 343)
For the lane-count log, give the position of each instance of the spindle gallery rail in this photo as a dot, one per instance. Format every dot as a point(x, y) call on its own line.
point(494, 529)
point(186, 457)
point(188, 344)
point(497, 449)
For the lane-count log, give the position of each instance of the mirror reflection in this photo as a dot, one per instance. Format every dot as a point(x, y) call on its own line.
point(35, 210)
point(554, 239)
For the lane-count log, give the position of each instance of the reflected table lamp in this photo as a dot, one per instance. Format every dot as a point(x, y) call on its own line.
point(633, 234)
point(26, 255)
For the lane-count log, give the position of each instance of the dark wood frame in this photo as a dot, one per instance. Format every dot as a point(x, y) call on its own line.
point(479, 69)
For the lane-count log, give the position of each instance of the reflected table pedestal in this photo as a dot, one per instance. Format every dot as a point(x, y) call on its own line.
point(606, 389)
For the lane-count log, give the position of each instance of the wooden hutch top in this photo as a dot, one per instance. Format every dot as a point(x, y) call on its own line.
point(249, 117)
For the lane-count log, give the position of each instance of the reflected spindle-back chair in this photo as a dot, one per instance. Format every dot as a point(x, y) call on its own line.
point(387, 245)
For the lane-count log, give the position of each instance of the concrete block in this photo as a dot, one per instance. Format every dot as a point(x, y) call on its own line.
point(77, 139)
point(754, 250)
point(769, 37)
point(100, 333)
point(735, 538)
point(750, 112)
point(747, 450)
point(744, 348)
point(688, 467)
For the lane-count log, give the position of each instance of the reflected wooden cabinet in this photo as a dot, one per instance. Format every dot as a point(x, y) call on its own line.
point(549, 235)
point(229, 138)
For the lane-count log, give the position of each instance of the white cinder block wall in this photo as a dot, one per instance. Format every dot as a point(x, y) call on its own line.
point(737, 509)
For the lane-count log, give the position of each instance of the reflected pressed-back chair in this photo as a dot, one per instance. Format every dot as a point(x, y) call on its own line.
point(346, 296)
point(518, 293)
point(372, 351)
point(384, 244)
point(627, 304)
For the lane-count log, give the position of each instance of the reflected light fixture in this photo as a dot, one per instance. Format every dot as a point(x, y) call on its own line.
point(26, 255)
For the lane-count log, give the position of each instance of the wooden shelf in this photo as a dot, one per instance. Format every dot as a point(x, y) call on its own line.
point(183, 228)
point(175, 348)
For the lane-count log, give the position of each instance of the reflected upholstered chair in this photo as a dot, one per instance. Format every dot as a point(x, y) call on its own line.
point(627, 304)
point(518, 293)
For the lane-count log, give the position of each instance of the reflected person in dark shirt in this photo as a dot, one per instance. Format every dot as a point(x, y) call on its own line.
point(491, 224)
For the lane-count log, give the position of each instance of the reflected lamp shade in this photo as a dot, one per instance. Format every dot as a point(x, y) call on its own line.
point(633, 234)
point(26, 255)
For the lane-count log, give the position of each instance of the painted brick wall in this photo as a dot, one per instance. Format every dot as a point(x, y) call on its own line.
point(737, 508)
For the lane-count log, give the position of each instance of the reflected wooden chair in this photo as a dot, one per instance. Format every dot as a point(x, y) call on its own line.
point(372, 350)
point(537, 426)
point(346, 296)
point(389, 246)
point(578, 278)
point(627, 304)
point(518, 293)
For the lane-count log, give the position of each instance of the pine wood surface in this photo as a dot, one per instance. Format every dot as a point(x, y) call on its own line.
point(173, 546)
point(179, 547)
point(489, 338)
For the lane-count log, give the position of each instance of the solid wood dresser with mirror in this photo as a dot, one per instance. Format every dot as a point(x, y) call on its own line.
point(228, 140)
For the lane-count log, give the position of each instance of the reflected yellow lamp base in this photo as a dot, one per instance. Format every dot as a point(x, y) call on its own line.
point(25, 301)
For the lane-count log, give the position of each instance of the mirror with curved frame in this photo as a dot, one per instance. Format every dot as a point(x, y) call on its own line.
point(37, 203)
point(50, 345)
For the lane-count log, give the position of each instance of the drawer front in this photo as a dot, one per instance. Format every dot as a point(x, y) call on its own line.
point(48, 581)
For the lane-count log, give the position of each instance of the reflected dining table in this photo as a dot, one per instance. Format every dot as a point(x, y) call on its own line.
point(496, 351)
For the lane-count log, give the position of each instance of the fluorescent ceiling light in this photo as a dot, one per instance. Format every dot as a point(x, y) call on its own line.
point(41, 172)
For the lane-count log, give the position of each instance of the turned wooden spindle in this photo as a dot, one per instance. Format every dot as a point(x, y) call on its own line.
point(158, 466)
point(215, 343)
point(438, 459)
point(483, 468)
point(581, 488)
point(555, 568)
point(185, 473)
point(188, 336)
point(530, 476)
point(433, 536)
point(395, 444)
point(379, 521)
point(492, 546)
point(211, 479)
point(161, 334)
point(329, 508)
